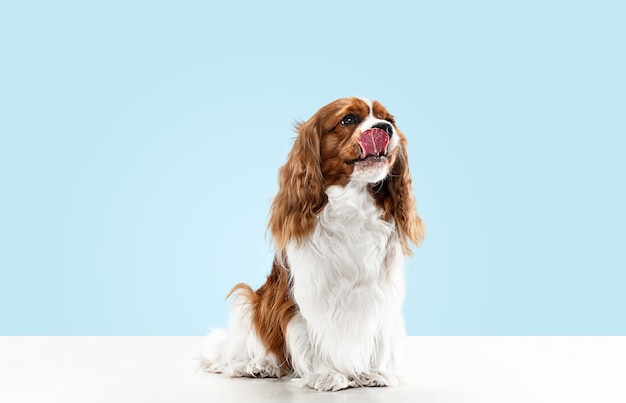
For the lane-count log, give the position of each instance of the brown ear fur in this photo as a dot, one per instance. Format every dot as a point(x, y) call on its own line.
point(395, 196)
point(300, 194)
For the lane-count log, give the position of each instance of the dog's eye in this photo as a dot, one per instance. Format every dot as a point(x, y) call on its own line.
point(349, 119)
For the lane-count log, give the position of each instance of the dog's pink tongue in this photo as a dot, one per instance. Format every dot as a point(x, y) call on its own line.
point(373, 142)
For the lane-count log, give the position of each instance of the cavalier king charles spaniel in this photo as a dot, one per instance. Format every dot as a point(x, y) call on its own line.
point(330, 311)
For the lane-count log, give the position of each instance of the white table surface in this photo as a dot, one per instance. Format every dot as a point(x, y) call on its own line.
point(441, 369)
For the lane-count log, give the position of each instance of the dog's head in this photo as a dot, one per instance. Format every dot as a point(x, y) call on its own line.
point(349, 140)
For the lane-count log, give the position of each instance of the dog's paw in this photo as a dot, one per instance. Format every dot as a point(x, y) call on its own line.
point(257, 369)
point(328, 381)
point(376, 379)
point(208, 365)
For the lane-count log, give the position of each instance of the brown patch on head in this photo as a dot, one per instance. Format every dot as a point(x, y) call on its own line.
point(338, 138)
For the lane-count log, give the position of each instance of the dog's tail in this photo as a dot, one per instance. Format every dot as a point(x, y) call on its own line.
point(238, 351)
point(218, 351)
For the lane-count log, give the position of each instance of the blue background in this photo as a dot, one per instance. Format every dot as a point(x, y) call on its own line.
point(140, 143)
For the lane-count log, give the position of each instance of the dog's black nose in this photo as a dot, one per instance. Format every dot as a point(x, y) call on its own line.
point(384, 126)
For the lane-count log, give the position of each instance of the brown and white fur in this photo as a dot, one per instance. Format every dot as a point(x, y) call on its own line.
point(330, 312)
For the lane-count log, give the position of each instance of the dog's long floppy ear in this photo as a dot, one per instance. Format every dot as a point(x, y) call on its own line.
point(300, 194)
point(396, 197)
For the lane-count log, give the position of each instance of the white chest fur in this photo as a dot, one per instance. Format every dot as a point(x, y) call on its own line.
point(348, 282)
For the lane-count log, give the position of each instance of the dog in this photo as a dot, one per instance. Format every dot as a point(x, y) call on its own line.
point(330, 312)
